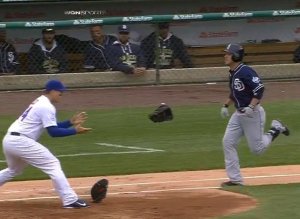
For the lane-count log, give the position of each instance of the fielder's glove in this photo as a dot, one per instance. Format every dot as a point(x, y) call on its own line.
point(99, 190)
point(161, 114)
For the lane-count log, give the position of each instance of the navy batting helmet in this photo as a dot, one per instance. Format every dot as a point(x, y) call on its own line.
point(236, 50)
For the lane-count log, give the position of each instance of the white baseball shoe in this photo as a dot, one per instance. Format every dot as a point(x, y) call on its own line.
point(278, 125)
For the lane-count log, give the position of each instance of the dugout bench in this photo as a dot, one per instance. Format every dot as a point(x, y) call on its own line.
point(209, 56)
point(255, 54)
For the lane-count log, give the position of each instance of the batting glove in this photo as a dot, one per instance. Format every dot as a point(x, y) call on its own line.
point(224, 112)
point(248, 111)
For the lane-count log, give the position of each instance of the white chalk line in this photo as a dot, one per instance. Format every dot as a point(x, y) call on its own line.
point(135, 150)
point(116, 193)
point(129, 147)
point(160, 182)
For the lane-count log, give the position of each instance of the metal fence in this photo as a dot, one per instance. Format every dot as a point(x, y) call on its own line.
point(54, 48)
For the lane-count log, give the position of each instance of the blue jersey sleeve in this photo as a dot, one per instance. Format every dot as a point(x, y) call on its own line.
point(64, 124)
point(55, 131)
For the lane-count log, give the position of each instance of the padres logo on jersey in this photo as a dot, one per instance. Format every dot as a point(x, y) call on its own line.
point(238, 85)
point(129, 59)
point(51, 65)
point(11, 57)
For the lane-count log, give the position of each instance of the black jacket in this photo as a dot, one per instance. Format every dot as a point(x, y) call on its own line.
point(95, 57)
point(41, 60)
point(8, 58)
point(125, 57)
point(170, 48)
point(297, 55)
point(71, 44)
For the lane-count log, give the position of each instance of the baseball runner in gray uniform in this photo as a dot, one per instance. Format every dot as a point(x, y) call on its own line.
point(246, 92)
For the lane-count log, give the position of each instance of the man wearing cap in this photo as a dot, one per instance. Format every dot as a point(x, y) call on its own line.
point(125, 56)
point(8, 56)
point(46, 55)
point(95, 54)
point(246, 92)
point(21, 147)
point(170, 48)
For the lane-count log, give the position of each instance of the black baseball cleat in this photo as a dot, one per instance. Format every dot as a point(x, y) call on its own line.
point(277, 124)
point(78, 204)
point(274, 133)
point(230, 183)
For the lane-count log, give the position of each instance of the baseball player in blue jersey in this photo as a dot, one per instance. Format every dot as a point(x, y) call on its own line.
point(246, 92)
point(21, 148)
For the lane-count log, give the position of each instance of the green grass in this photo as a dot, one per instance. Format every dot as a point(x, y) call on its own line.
point(192, 141)
point(274, 202)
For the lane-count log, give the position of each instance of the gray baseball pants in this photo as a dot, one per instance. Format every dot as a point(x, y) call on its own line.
point(253, 129)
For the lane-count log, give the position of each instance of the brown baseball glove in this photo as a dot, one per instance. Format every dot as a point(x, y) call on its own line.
point(99, 190)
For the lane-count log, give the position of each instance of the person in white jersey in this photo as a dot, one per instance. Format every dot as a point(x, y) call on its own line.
point(21, 146)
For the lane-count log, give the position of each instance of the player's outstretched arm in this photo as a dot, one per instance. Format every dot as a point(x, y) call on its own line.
point(55, 131)
point(80, 130)
point(78, 118)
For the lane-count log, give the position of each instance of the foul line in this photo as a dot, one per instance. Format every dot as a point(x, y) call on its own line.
point(162, 182)
point(135, 150)
point(130, 147)
point(116, 193)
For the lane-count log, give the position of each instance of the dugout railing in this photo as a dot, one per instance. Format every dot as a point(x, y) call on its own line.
point(200, 56)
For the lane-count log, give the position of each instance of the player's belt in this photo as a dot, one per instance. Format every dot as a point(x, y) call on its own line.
point(15, 133)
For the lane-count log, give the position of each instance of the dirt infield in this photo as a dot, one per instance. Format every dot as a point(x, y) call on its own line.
point(161, 195)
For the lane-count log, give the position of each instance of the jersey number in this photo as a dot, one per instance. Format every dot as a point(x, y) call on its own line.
point(25, 113)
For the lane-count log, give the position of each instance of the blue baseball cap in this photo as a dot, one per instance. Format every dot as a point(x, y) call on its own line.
point(123, 29)
point(55, 85)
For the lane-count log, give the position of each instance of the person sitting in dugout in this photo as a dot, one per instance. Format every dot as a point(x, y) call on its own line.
point(95, 54)
point(8, 56)
point(170, 48)
point(125, 56)
point(46, 55)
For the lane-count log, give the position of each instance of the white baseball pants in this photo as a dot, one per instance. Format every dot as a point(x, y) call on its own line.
point(21, 151)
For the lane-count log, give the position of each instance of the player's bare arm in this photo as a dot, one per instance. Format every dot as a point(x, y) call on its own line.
point(228, 102)
point(254, 102)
